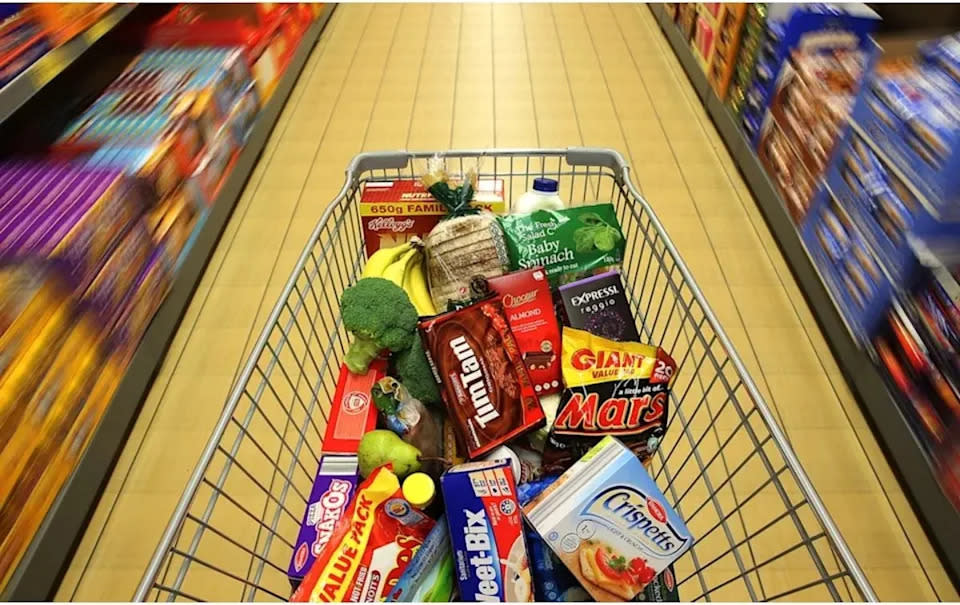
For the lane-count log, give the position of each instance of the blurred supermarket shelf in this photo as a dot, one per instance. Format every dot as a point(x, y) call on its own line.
point(905, 452)
point(42, 567)
point(28, 83)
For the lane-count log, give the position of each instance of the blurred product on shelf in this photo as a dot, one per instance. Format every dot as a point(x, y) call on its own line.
point(808, 112)
point(94, 233)
point(267, 32)
point(22, 41)
point(847, 264)
point(722, 64)
point(860, 139)
point(885, 236)
point(799, 30)
point(751, 38)
point(61, 21)
point(913, 115)
point(705, 24)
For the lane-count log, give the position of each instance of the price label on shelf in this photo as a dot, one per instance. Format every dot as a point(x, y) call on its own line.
point(101, 27)
point(47, 67)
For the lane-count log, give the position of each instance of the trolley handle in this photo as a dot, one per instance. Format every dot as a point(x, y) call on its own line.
point(575, 156)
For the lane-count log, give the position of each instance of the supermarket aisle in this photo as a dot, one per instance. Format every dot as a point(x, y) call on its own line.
point(442, 76)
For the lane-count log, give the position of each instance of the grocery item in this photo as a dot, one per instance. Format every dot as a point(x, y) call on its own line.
point(380, 316)
point(333, 489)
point(599, 305)
point(566, 243)
point(371, 545)
point(406, 416)
point(465, 245)
point(525, 463)
point(64, 213)
point(381, 447)
point(486, 532)
point(485, 385)
point(351, 412)
point(663, 588)
point(538, 437)
point(404, 265)
point(552, 581)
point(413, 369)
point(608, 522)
point(393, 212)
point(612, 388)
point(429, 576)
point(542, 196)
point(528, 305)
point(452, 448)
point(419, 490)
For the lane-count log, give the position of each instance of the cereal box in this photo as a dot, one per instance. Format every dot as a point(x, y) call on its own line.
point(486, 532)
point(393, 212)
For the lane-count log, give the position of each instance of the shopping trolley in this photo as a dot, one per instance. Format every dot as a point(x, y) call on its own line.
point(761, 531)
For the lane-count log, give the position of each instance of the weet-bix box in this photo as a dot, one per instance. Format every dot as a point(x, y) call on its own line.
point(486, 532)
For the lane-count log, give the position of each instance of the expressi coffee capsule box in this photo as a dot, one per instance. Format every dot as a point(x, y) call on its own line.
point(599, 305)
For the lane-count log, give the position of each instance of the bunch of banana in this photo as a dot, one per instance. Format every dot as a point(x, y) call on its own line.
point(405, 266)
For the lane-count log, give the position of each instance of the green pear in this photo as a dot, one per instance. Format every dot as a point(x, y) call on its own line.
point(381, 446)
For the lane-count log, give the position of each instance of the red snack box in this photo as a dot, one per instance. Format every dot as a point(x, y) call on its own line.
point(352, 414)
point(486, 388)
point(528, 305)
point(393, 212)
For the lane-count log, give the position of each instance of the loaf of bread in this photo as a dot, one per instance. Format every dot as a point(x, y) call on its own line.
point(460, 250)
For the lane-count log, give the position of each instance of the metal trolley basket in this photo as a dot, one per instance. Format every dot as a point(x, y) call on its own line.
point(761, 531)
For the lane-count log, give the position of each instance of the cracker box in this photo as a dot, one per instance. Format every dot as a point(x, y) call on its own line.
point(332, 491)
point(393, 212)
point(486, 532)
point(609, 523)
point(352, 413)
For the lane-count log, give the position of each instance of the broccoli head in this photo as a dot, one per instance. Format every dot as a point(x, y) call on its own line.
point(380, 316)
point(414, 371)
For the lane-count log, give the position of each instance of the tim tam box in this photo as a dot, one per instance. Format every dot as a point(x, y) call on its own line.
point(392, 212)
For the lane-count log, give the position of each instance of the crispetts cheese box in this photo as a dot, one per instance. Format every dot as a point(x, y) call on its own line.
point(352, 413)
point(393, 212)
point(486, 532)
point(609, 523)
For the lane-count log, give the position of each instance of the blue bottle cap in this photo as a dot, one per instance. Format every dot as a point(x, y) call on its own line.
point(545, 185)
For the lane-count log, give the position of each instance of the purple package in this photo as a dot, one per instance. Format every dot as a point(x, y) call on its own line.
point(130, 321)
point(121, 270)
point(64, 213)
point(333, 489)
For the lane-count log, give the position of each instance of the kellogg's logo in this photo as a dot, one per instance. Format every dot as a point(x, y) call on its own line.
point(389, 223)
point(640, 516)
point(355, 402)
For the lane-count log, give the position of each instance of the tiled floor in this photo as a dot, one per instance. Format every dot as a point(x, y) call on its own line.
point(473, 76)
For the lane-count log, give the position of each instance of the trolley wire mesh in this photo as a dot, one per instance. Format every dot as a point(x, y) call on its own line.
point(761, 532)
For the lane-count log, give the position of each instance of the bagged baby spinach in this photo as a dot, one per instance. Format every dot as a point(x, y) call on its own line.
point(568, 243)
